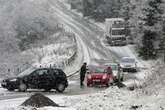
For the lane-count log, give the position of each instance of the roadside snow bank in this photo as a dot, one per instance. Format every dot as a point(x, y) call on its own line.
point(117, 99)
point(155, 82)
point(112, 98)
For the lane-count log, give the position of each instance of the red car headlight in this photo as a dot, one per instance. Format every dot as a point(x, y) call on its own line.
point(104, 76)
point(89, 76)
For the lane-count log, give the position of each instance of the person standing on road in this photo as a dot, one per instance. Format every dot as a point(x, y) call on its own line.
point(120, 77)
point(119, 73)
point(109, 70)
point(82, 74)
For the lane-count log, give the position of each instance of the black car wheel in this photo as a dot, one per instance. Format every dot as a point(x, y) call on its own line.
point(47, 89)
point(22, 87)
point(60, 87)
point(89, 85)
point(121, 79)
point(109, 83)
point(10, 89)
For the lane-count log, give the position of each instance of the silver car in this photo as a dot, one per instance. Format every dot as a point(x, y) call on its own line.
point(128, 64)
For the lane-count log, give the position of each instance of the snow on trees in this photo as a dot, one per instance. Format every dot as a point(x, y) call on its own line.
point(152, 16)
point(27, 24)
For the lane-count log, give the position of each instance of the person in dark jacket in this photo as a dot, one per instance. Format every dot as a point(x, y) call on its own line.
point(82, 73)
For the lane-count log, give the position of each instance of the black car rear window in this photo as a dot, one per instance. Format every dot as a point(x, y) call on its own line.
point(59, 72)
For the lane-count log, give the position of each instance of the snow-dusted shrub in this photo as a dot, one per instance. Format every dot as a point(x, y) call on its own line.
point(155, 81)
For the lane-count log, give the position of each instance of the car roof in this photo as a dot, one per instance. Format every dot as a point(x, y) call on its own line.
point(99, 66)
point(27, 71)
point(30, 70)
point(127, 58)
point(92, 67)
point(123, 59)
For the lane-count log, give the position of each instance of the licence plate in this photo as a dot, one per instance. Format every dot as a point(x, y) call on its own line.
point(4, 83)
point(96, 80)
point(128, 65)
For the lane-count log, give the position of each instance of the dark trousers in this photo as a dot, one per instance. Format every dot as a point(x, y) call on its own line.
point(82, 79)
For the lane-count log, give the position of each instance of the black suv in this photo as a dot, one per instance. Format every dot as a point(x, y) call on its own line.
point(42, 78)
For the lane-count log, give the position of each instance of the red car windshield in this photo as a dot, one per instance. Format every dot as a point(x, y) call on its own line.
point(100, 70)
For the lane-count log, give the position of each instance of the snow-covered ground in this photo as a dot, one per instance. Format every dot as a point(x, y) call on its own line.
point(112, 98)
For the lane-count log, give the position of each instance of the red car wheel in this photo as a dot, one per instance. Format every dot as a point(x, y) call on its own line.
point(88, 84)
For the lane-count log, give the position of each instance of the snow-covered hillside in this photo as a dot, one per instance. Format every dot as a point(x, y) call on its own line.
point(27, 26)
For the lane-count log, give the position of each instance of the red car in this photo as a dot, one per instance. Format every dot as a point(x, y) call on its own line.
point(99, 75)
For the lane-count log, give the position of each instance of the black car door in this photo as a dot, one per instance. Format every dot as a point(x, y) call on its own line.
point(33, 79)
point(42, 78)
point(59, 76)
point(45, 78)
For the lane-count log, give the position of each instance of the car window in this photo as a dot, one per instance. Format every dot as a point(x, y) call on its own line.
point(119, 32)
point(41, 72)
point(59, 72)
point(27, 72)
point(128, 60)
point(56, 72)
point(34, 73)
point(100, 70)
point(113, 66)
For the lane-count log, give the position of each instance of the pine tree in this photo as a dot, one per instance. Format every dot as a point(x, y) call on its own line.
point(126, 14)
point(152, 17)
point(147, 51)
point(162, 41)
point(153, 12)
point(87, 7)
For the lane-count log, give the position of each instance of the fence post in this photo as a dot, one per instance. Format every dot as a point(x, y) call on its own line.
point(18, 70)
point(8, 71)
point(54, 65)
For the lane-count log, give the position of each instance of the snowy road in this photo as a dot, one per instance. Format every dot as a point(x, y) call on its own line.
point(125, 51)
point(73, 89)
point(90, 49)
point(88, 33)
